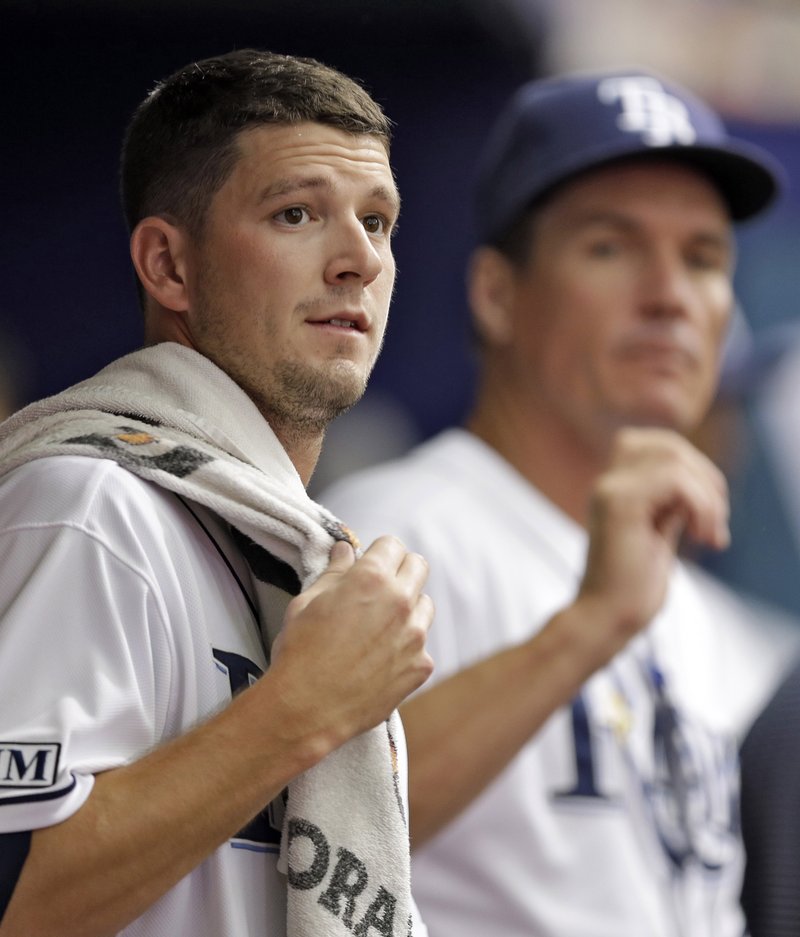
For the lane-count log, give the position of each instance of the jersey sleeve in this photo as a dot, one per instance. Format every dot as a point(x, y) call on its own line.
point(83, 648)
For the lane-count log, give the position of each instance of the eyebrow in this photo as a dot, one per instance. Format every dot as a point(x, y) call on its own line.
point(618, 220)
point(291, 184)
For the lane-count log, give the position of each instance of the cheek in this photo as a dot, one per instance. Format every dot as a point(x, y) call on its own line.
point(382, 291)
point(224, 276)
point(720, 305)
point(251, 259)
point(388, 275)
point(715, 294)
point(377, 334)
point(572, 334)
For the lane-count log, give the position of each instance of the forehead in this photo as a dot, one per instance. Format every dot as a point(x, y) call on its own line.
point(650, 190)
point(271, 153)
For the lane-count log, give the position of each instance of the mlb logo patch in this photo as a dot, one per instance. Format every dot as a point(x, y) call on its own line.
point(28, 765)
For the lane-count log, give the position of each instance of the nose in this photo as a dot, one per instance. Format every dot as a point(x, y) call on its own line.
point(353, 255)
point(666, 288)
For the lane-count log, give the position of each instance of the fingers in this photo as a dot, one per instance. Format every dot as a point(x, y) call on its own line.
point(341, 560)
point(410, 573)
point(390, 556)
point(657, 488)
point(413, 571)
point(680, 487)
point(394, 577)
point(425, 612)
point(342, 557)
point(365, 617)
point(387, 550)
point(385, 574)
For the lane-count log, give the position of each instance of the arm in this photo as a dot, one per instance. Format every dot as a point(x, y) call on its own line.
point(147, 824)
point(657, 486)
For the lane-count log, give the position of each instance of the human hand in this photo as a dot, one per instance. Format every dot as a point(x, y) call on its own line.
point(353, 644)
point(657, 488)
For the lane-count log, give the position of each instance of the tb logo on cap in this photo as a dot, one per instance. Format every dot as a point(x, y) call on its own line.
point(647, 109)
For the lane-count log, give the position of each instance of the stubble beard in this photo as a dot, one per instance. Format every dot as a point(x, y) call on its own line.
point(297, 399)
point(302, 400)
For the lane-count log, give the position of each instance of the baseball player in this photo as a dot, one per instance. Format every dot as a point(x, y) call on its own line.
point(198, 678)
point(573, 767)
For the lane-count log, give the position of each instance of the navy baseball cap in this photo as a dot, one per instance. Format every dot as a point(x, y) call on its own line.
point(553, 129)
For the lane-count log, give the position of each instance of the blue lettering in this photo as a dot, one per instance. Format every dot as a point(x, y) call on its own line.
point(25, 764)
point(242, 672)
point(586, 782)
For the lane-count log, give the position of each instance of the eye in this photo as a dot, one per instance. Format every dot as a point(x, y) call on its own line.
point(707, 259)
point(374, 224)
point(294, 216)
point(604, 247)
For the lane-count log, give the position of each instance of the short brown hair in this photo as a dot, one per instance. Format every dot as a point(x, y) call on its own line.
point(180, 145)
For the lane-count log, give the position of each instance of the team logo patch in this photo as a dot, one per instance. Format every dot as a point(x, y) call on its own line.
point(647, 109)
point(28, 765)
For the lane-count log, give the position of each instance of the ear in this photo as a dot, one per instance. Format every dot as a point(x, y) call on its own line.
point(490, 289)
point(158, 251)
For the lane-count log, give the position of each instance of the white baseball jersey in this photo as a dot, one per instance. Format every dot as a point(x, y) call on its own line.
point(619, 818)
point(121, 626)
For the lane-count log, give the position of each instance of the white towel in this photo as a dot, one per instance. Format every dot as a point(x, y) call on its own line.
point(169, 415)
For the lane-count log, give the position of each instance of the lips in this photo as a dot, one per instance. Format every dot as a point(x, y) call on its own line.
point(661, 349)
point(343, 323)
point(659, 344)
point(355, 321)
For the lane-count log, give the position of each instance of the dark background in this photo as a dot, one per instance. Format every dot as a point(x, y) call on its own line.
point(73, 73)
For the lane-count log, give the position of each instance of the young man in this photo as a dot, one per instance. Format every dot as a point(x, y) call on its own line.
point(155, 536)
point(600, 296)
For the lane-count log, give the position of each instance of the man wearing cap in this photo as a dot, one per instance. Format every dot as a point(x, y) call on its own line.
point(573, 767)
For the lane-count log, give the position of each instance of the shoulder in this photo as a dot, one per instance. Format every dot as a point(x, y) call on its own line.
point(91, 499)
point(68, 487)
point(424, 481)
point(452, 489)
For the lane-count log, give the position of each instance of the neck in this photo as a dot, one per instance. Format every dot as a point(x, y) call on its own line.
point(552, 456)
point(302, 446)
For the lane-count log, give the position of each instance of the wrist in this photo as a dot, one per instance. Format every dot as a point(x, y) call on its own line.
point(588, 633)
point(286, 724)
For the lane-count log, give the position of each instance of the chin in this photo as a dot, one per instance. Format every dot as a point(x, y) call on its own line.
point(677, 411)
point(333, 395)
point(302, 396)
point(664, 418)
point(658, 412)
point(347, 381)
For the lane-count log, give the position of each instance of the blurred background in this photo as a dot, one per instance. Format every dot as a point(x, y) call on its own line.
point(75, 69)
